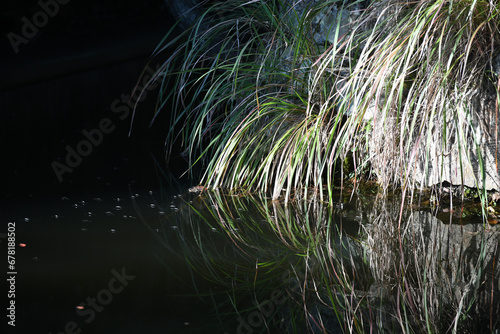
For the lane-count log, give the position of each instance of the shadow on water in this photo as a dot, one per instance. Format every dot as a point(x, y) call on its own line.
point(357, 267)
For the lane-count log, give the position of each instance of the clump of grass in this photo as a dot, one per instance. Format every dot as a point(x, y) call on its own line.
point(419, 76)
point(248, 100)
point(262, 106)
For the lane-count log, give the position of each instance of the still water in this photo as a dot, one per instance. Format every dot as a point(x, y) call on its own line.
point(95, 251)
point(149, 261)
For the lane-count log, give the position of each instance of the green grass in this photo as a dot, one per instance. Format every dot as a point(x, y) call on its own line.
point(261, 106)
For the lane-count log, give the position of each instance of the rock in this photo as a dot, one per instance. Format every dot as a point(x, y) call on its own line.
point(466, 168)
point(197, 189)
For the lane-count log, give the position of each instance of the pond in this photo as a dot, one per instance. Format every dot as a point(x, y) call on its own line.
point(162, 262)
point(87, 263)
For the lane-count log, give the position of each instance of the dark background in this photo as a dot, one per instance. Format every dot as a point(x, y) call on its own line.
point(64, 80)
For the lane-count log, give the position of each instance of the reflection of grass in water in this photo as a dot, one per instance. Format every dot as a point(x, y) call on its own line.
point(263, 247)
point(424, 277)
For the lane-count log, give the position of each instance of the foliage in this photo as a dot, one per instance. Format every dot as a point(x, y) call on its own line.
point(262, 106)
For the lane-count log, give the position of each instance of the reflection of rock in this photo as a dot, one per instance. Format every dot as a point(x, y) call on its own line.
point(455, 252)
point(421, 268)
point(462, 262)
point(446, 266)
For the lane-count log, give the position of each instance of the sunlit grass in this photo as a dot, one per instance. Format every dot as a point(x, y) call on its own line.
point(261, 106)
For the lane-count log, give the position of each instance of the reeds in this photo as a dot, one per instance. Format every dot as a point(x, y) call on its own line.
point(262, 106)
point(402, 92)
point(419, 77)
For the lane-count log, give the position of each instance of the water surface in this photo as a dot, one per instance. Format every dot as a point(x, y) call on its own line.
point(222, 263)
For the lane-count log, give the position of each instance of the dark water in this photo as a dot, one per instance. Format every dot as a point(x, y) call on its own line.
point(357, 267)
point(152, 261)
point(76, 246)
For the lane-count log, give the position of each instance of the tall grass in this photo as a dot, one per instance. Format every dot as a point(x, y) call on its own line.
point(242, 98)
point(262, 106)
point(421, 83)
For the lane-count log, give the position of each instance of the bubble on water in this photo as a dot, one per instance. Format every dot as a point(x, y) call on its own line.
point(132, 197)
point(64, 198)
point(89, 214)
point(151, 192)
point(82, 203)
point(136, 195)
point(97, 199)
point(118, 199)
point(174, 227)
point(76, 206)
point(112, 230)
point(152, 205)
point(26, 219)
point(125, 216)
point(57, 216)
point(109, 213)
point(86, 221)
point(118, 208)
point(161, 213)
point(214, 229)
point(84, 229)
